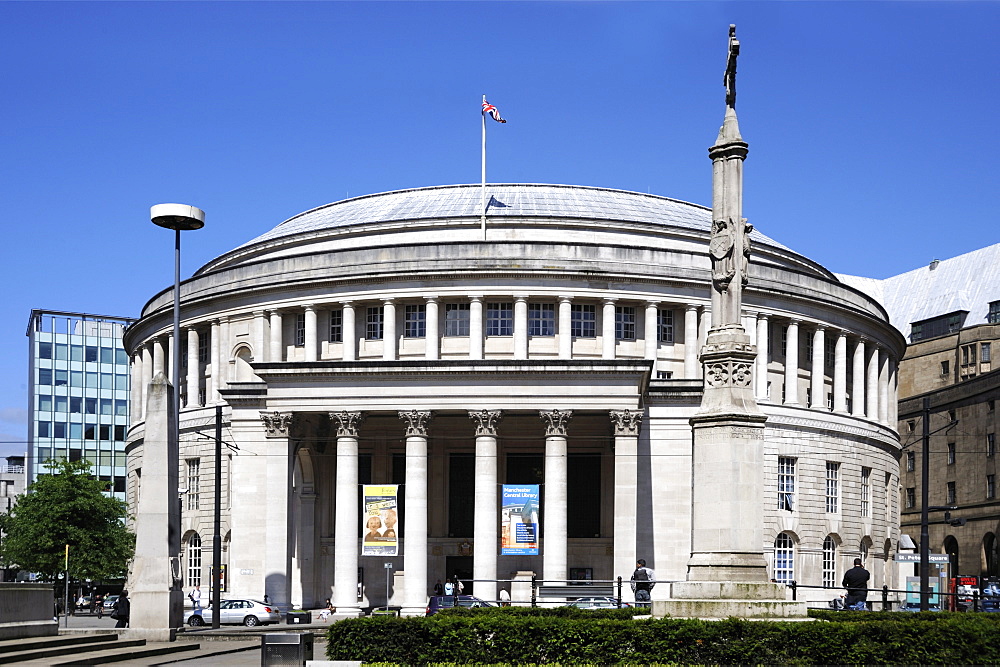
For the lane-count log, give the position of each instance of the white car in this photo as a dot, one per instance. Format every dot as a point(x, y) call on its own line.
point(237, 612)
point(597, 603)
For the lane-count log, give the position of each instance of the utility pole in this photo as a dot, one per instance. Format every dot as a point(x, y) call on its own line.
point(925, 468)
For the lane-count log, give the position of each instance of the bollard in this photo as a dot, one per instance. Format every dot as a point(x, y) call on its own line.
point(885, 598)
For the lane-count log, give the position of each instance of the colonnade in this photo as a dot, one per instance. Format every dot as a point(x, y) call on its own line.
point(872, 370)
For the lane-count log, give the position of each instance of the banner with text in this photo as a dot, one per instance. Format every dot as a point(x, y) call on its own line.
point(380, 520)
point(519, 520)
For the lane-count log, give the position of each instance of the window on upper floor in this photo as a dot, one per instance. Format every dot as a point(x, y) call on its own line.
point(832, 486)
point(664, 375)
point(945, 367)
point(866, 490)
point(584, 320)
point(203, 346)
point(991, 444)
point(541, 319)
point(951, 453)
point(910, 461)
point(950, 493)
point(373, 323)
point(937, 326)
point(499, 318)
point(993, 316)
point(911, 497)
point(784, 559)
point(991, 486)
point(415, 320)
point(300, 329)
point(665, 325)
point(337, 325)
point(985, 352)
point(786, 483)
point(624, 323)
point(456, 319)
point(829, 562)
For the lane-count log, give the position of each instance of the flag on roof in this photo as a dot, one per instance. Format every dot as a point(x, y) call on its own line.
point(492, 110)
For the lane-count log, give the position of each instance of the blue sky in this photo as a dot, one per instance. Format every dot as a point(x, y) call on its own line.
point(870, 126)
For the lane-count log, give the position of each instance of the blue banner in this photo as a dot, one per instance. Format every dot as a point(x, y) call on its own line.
point(519, 520)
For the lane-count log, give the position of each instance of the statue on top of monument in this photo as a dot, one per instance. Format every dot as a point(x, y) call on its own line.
point(729, 78)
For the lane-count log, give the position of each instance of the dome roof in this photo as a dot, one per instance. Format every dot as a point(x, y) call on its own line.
point(517, 200)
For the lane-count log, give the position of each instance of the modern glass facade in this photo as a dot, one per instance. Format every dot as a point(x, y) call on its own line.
point(78, 393)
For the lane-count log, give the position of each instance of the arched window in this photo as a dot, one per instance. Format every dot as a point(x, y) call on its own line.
point(991, 556)
point(951, 548)
point(829, 562)
point(194, 560)
point(784, 559)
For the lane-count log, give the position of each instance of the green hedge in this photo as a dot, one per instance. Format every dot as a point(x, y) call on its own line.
point(515, 637)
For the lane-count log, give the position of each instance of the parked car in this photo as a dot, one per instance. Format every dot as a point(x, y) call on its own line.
point(439, 602)
point(237, 612)
point(109, 601)
point(915, 606)
point(597, 603)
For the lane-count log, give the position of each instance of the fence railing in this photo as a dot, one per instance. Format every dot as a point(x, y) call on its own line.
point(976, 598)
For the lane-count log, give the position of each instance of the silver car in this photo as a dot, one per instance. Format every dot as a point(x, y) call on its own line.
point(237, 612)
point(597, 603)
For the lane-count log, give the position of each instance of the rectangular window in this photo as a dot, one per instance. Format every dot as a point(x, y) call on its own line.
point(44, 350)
point(45, 376)
point(584, 320)
point(829, 354)
point(829, 563)
point(44, 429)
point(950, 494)
point(665, 325)
point(985, 352)
point(991, 486)
point(456, 319)
point(461, 487)
point(664, 375)
point(624, 323)
point(59, 429)
point(786, 483)
point(911, 497)
point(300, 329)
point(193, 483)
point(993, 316)
point(911, 461)
point(951, 453)
point(203, 346)
point(499, 318)
point(415, 321)
point(945, 367)
point(373, 323)
point(809, 348)
point(541, 319)
point(832, 486)
point(90, 354)
point(991, 444)
point(61, 378)
point(45, 403)
point(784, 341)
point(337, 326)
point(76, 405)
point(866, 491)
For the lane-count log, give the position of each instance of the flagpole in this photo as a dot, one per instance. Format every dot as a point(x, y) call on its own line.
point(482, 197)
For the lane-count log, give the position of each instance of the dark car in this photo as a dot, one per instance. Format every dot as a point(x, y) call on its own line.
point(439, 602)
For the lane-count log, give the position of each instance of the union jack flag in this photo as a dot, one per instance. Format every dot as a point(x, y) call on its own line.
point(492, 110)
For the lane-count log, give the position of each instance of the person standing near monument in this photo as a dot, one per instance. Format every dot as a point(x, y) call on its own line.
point(856, 583)
point(195, 596)
point(643, 580)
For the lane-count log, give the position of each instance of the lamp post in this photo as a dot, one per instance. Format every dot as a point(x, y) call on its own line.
point(925, 509)
point(178, 217)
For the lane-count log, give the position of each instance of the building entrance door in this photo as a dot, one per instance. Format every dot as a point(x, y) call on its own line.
point(461, 567)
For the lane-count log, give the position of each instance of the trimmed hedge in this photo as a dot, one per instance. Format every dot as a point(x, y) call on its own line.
point(515, 637)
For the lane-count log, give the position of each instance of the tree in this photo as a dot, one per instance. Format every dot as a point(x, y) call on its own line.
point(67, 507)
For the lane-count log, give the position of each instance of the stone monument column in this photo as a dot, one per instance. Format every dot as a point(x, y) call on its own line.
point(347, 524)
point(691, 341)
point(277, 482)
point(486, 519)
point(727, 572)
point(311, 341)
point(626, 431)
point(475, 327)
point(554, 512)
point(432, 336)
point(193, 370)
point(415, 495)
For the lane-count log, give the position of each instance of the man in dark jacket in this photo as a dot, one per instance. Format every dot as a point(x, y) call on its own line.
point(856, 583)
point(123, 609)
point(643, 580)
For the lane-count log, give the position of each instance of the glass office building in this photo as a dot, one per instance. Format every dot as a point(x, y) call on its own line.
point(78, 393)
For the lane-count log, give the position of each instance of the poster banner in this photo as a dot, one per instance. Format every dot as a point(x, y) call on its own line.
point(380, 520)
point(519, 520)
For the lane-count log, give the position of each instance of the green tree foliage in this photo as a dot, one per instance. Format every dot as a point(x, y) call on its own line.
point(67, 506)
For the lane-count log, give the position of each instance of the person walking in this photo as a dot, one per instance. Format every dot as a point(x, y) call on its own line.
point(122, 610)
point(643, 580)
point(195, 596)
point(856, 583)
point(99, 602)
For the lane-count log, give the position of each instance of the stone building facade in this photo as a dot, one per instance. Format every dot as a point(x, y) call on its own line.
point(384, 339)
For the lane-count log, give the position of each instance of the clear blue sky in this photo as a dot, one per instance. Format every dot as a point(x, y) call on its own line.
point(871, 126)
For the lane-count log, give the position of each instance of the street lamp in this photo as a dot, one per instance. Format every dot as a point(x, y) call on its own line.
point(178, 217)
point(925, 471)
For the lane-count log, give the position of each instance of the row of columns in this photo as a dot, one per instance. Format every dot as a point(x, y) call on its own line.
point(554, 541)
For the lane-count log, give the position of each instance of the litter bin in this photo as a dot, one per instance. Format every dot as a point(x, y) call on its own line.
point(286, 648)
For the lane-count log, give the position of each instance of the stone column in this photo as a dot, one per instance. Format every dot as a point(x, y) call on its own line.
point(691, 341)
point(276, 507)
point(760, 381)
point(652, 337)
point(840, 373)
point(216, 361)
point(858, 380)
point(554, 515)
point(893, 394)
point(225, 347)
point(259, 346)
point(415, 494)
point(626, 431)
point(704, 323)
point(147, 376)
point(159, 361)
point(350, 345)
point(520, 326)
point(608, 329)
point(311, 333)
point(347, 523)
point(389, 335)
point(135, 395)
point(193, 370)
point(303, 561)
point(475, 327)
point(792, 363)
point(168, 361)
point(565, 327)
point(871, 389)
point(883, 386)
point(818, 370)
point(432, 336)
point(484, 530)
point(277, 352)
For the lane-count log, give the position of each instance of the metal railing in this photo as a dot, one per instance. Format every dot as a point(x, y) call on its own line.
point(976, 598)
